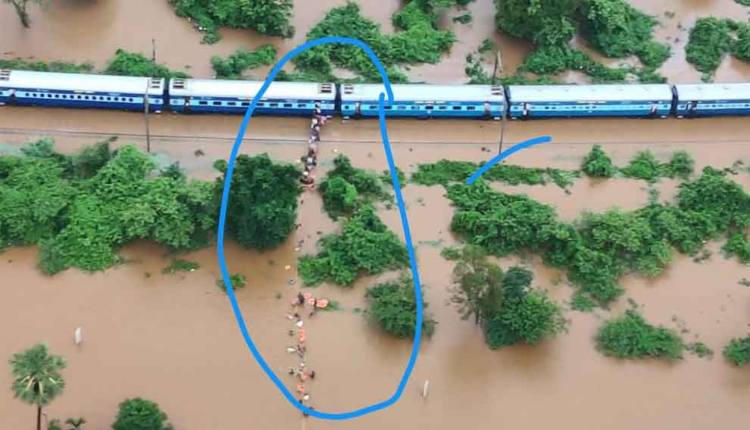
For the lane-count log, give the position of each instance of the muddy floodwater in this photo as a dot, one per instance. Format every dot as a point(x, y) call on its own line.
point(173, 339)
point(91, 30)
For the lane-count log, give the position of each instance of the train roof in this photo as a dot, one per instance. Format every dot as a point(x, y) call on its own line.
point(248, 89)
point(588, 93)
point(424, 92)
point(81, 82)
point(698, 92)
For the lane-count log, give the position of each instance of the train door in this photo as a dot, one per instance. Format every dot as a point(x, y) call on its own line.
point(526, 110)
point(692, 108)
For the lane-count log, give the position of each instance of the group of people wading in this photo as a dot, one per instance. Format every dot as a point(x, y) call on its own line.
point(310, 161)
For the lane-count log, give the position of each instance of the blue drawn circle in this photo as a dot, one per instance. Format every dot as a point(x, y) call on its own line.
point(404, 223)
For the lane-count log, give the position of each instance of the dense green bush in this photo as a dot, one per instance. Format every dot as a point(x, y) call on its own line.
point(645, 166)
point(543, 22)
point(550, 60)
point(417, 41)
point(630, 336)
point(737, 351)
point(365, 245)
point(598, 164)
point(712, 38)
point(393, 307)
point(140, 414)
point(340, 198)
point(617, 29)
point(233, 66)
point(135, 64)
point(709, 41)
point(262, 207)
point(269, 17)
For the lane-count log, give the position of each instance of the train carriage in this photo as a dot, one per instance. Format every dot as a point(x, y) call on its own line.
point(24, 88)
point(550, 101)
point(425, 101)
point(225, 96)
point(712, 100)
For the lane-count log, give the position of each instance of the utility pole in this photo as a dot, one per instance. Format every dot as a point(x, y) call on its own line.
point(145, 116)
point(499, 65)
point(153, 50)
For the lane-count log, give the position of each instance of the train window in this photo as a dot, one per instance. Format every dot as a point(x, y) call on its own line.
point(471, 108)
point(442, 107)
point(245, 104)
point(231, 104)
point(456, 107)
point(429, 107)
point(273, 104)
point(109, 98)
point(401, 107)
point(216, 103)
point(301, 105)
point(288, 105)
point(388, 107)
point(202, 103)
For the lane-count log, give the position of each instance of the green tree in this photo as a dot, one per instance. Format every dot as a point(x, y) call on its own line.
point(140, 414)
point(135, 64)
point(262, 201)
point(20, 7)
point(339, 196)
point(477, 285)
point(36, 378)
point(233, 66)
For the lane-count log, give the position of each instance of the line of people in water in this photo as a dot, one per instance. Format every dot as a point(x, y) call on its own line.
point(310, 160)
point(302, 373)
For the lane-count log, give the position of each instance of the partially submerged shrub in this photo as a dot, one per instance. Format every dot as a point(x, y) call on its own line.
point(365, 245)
point(598, 164)
point(135, 64)
point(630, 336)
point(393, 307)
point(737, 351)
point(242, 60)
point(140, 414)
point(237, 280)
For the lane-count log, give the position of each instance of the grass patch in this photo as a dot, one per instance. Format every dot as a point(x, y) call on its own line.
point(238, 281)
point(699, 349)
point(41, 66)
point(180, 265)
point(445, 172)
point(711, 39)
point(126, 63)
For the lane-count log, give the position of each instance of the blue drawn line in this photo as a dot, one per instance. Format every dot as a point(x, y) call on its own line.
point(404, 223)
point(505, 154)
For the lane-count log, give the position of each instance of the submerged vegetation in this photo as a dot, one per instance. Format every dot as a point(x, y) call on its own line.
point(418, 40)
point(364, 246)
point(598, 249)
point(270, 17)
point(80, 209)
point(630, 336)
point(123, 63)
point(140, 414)
point(135, 64)
point(502, 303)
point(613, 27)
point(711, 39)
point(242, 60)
point(643, 166)
point(444, 172)
point(393, 307)
point(737, 351)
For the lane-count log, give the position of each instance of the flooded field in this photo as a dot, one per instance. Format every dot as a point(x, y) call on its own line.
point(63, 27)
point(172, 338)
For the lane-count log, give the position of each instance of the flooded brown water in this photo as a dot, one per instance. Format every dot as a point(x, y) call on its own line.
point(172, 338)
point(91, 30)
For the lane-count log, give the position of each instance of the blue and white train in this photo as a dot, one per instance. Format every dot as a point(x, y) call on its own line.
point(361, 100)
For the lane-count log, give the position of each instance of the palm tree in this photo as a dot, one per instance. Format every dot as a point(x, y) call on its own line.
point(36, 377)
